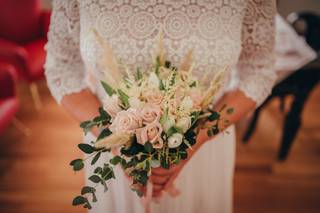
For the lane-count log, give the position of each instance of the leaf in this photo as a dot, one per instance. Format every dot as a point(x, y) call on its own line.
point(95, 178)
point(86, 148)
point(161, 85)
point(87, 189)
point(96, 158)
point(109, 90)
point(164, 117)
point(87, 205)
point(138, 74)
point(87, 125)
point(124, 98)
point(115, 160)
point(148, 147)
point(98, 170)
point(77, 164)
point(79, 200)
point(214, 116)
point(104, 133)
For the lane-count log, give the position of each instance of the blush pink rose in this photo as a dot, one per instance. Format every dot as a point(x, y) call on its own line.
point(127, 121)
point(150, 113)
point(152, 133)
point(154, 97)
point(111, 105)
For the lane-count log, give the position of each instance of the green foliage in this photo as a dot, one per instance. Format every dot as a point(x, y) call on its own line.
point(148, 147)
point(94, 178)
point(87, 125)
point(139, 75)
point(102, 119)
point(86, 148)
point(109, 90)
point(77, 164)
point(95, 158)
point(104, 133)
point(214, 116)
point(115, 160)
point(124, 98)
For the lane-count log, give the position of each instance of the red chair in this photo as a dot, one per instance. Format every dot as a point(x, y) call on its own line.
point(23, 34)
point(9, 103)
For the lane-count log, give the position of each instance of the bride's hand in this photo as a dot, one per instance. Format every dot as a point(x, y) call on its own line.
point(163, 179)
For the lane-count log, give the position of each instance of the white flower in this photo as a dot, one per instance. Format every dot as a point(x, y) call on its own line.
point(175, 140)
point(135, 102)
point(184, 123)
point(153, 80)
point(186, 103)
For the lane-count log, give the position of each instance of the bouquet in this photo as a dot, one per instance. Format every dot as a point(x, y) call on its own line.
point(149, 119)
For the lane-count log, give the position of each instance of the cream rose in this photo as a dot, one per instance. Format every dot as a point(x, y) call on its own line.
point(154, 97)
point(111, 105)
point(150, 113)
point(184, 123)
point(127, 121)
point(152, 133)
point(175, 140)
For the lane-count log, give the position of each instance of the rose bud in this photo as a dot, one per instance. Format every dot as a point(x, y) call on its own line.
point(184, 123)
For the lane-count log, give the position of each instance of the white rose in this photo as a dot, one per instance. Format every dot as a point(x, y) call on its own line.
point(175, 140)
point(134, 102)
point(184, 123)
point(187, 103)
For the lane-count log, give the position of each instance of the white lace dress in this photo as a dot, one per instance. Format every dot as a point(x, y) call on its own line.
point(235, 33)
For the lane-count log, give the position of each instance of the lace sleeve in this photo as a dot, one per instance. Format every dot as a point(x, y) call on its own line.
point(255, 68)
point(64, 68)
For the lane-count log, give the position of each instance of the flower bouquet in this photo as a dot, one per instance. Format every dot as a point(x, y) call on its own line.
point(149, 119)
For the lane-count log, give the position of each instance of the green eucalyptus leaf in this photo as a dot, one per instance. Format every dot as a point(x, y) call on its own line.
point(98, 170)
point(138, 74)
point(95, 178)
point(87, 189)
point(79, 200)
point(214, 116)
point(109, 90)
point(86, 148)
point(96, 158)
point(148, 147)
point(77, 164)
point(115, 160)
point(124, 98)
point(104, 133)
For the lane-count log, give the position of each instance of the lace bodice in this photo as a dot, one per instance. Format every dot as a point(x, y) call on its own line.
point(235, 33)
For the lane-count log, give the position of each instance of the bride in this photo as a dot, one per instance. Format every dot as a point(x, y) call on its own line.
point(235, 33)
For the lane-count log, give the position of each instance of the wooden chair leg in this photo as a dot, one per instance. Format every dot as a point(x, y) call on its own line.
point(21, 127)
point(291, 125)
point(35, 95)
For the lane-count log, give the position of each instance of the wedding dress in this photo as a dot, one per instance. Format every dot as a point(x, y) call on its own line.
point(234, 33)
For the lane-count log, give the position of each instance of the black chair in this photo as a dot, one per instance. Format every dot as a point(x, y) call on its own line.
point(299, 84)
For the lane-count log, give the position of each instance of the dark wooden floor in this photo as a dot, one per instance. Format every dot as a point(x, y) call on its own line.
point(35, 176)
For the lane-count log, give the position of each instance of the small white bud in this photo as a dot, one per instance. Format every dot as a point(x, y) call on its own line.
point(175, 140)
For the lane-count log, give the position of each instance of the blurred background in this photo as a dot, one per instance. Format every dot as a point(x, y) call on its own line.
point(278, 146)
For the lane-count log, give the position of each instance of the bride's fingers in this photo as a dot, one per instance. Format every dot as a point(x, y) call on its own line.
point(159, 179)
point(164, 172)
